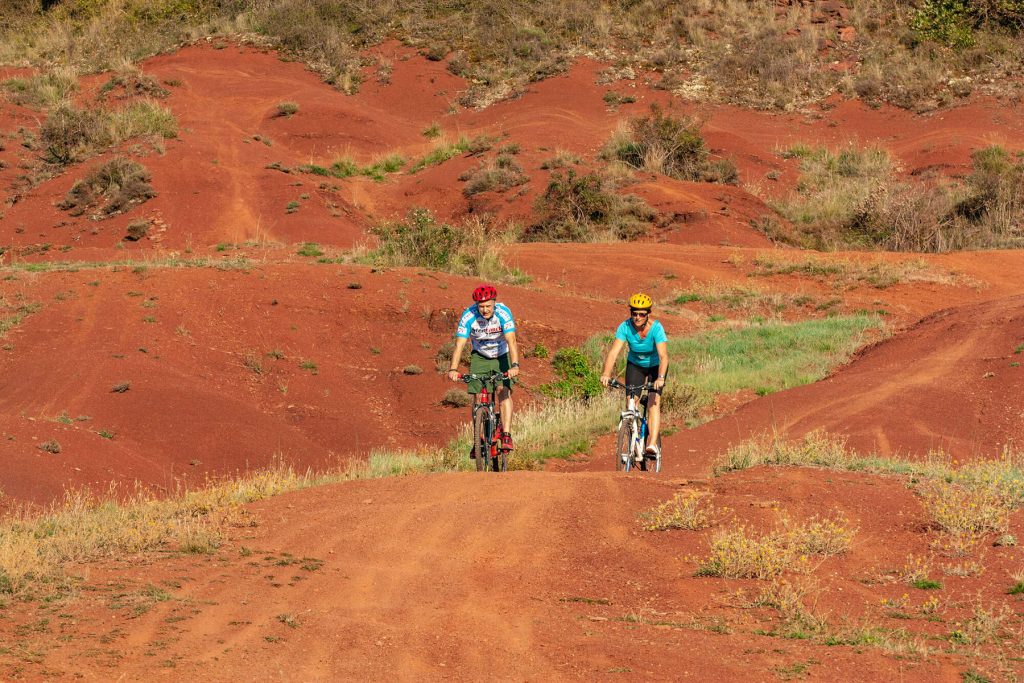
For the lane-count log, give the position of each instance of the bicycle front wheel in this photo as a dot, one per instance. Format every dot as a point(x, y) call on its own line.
point(481, 440)
point(652, 463)
point(622, 446)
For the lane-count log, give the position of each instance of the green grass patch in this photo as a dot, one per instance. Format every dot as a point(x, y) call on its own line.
point(348, 168)
point(770, 355)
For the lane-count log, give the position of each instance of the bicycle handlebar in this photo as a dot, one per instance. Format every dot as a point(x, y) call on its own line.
point(492, 376)
point(616, 384)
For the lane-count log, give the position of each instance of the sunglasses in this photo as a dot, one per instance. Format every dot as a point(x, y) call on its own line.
point(639, 314)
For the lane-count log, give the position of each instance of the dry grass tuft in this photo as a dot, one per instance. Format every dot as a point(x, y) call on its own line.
point(690, 510)
point(739, 553)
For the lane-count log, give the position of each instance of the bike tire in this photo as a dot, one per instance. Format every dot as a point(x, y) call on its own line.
point(653, 464)
point(481, 451)
point(623, 456)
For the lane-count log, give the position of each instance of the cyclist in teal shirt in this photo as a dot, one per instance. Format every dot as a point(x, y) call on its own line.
point(647, 361)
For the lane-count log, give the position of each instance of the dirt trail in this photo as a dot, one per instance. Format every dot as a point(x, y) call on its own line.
point(954, 383)
point(529, 576)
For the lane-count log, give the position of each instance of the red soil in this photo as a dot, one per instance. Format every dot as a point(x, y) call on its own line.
point(459, 577)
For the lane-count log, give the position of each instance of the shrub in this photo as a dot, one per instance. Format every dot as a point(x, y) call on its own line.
point(688, 510)
point(311, 249)
point(576, 377)
point(287, 109)
point(456, 398)
point(132, 83)
point(582, 208)
point(44, 90)
point(69, 135)
point(412, 370)
point(419, 241)
point(498, 176)
point(470, 249)
point(662, 143)
point(137, 230)
point(119, 184)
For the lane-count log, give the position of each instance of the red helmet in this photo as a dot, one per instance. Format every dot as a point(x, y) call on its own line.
point(484, 292)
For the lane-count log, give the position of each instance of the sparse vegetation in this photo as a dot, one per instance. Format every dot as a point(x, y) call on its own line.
point(849, 272)
point(421, 241)
point(662, 143)
point(45, 90)
point(310, 249)
point(914, 55)
point(499, 175)
point(852, 199)
point(111, 188)
point(690, 510)
point(577, 377)
point(584, 208)
point(287, 109)
point(69, 135)
point(347, 168)
point(738, 552)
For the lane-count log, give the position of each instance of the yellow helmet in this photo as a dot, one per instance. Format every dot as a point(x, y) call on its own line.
point(640, 300)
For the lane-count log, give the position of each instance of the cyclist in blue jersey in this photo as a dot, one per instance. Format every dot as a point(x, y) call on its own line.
point(492, 330)
point(647, 361)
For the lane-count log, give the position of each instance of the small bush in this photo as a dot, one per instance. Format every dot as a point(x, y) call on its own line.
point(52, 447)
point(69, 135)
point(662, 143)
point(287, 109)
point(576, 377)
point(688, 510)
point(137, 230)
point(42, 91)
point(310, 249)
point(132, 83)
point(420, 240)
point(412, 370)
point(456, 398)
point(582, 208)
point(498, 176)
point(113, 188)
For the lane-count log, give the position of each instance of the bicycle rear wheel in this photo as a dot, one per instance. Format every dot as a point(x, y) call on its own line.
point(623, 457)
point(481, 442)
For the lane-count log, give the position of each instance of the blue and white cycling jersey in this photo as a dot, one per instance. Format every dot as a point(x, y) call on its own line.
point(488, 335)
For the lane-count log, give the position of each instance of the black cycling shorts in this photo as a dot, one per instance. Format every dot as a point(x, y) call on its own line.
point(636, 375)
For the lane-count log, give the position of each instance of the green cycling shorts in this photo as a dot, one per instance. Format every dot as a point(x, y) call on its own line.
point(481, 365)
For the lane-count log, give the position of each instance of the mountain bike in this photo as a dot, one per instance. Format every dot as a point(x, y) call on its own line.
point(487, 430)
point(632, 432)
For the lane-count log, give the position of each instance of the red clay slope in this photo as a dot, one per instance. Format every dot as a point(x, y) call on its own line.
point(953, 382)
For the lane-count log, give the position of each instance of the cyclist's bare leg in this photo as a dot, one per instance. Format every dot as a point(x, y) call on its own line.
point(505, 408)
point(653, 418)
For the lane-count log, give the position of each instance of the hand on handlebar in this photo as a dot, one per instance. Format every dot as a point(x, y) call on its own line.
point(605, 379)
point(454, 376)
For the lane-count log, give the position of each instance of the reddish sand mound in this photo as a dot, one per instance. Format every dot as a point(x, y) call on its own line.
point(954, 382)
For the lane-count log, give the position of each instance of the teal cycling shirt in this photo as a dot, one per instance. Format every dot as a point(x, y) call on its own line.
point(642, 351)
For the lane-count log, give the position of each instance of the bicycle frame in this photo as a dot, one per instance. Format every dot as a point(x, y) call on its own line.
point(487, 426)
point(634, 419)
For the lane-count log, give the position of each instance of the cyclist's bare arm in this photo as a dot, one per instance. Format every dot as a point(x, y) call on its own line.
point(662, 364)
point(513, 353)
point(453, 371)
point(609, 361)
